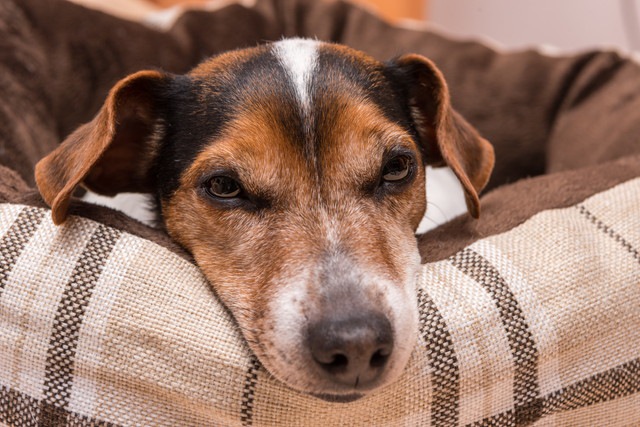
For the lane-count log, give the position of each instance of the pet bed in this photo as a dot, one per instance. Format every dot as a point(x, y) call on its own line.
point(528, 316)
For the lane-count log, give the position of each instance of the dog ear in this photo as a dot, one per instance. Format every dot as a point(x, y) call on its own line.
point(446, 137)
point(111, 154)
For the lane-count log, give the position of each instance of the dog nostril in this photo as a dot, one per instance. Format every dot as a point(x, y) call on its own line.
point(338, 362)
point(352, 350)
point(379, 358)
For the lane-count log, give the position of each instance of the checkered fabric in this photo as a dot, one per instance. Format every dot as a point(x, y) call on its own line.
point(538, 326)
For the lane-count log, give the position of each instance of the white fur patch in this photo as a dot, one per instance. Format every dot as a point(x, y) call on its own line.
point(445, 199)
point(289, 319)
point(298, 57)
point(136, 205)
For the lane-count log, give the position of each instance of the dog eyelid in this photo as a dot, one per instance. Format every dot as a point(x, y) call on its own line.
point(223, 187)
point(224, 190)
point(396, 169)
point(398, 166)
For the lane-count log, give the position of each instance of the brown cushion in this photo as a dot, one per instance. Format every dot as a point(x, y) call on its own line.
point(100, 326)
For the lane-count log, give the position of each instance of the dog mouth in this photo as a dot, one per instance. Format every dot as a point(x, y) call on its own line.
point(338, 398)
point(340, 341)
point(347, 365)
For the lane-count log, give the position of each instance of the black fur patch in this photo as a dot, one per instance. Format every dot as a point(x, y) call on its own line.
point(197, 109)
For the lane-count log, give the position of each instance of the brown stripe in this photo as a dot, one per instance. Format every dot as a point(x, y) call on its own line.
point(18, 409)
point(51, 415)
point(66, 325)
point(609, 231)
point(616, 383)
point(77, 420)
point(16, 238)
point(248, 394)
point(621, 381)
point(521, 343)
point(506, 418)
point(446, 375)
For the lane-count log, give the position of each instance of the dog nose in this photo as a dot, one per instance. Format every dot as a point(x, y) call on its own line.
point(353, 350)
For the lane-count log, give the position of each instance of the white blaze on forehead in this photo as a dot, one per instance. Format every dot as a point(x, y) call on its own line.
point(298, 57)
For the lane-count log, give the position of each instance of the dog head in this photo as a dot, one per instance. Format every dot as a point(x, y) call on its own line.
point(294, 174)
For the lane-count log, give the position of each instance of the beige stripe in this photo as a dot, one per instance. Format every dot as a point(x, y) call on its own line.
point(8, 214)
point(172, 341)
point(277, 405)
point(30, 299)
point(272, 402)
point(587, 284)
point(15, 239)
point(484, 358)
point(540, 323)
point(89, 360)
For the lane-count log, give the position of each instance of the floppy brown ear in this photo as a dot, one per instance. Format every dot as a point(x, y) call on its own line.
point(447, 138)
point(112, 153)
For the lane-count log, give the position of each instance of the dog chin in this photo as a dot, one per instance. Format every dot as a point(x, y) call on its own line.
point(282, 350)
point(338, 398)
point(295, 373)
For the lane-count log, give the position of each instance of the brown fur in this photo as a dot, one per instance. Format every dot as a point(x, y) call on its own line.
point(115, 160)
point(319, 198)
point(255, 249)
point(452, 141)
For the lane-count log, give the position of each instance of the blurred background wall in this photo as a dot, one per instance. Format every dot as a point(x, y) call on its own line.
point(567, 24)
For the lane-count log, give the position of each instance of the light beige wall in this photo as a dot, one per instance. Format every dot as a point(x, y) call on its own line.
point(567, 24)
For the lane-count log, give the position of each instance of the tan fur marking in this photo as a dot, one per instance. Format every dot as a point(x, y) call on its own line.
point(317, 227)
point(252, 257)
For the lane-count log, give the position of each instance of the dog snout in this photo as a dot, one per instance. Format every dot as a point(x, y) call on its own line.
point(352, 350)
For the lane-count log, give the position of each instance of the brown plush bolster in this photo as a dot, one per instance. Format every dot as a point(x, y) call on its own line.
point(507, 207)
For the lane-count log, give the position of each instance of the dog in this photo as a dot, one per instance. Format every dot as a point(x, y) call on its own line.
point(294, 173)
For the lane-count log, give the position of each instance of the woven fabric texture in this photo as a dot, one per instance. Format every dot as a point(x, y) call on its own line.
point(536, 326)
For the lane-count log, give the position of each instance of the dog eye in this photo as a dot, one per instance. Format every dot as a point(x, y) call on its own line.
point(223, 187)
point(396, 169)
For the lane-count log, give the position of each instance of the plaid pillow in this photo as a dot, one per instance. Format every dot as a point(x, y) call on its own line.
point(540, 325)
